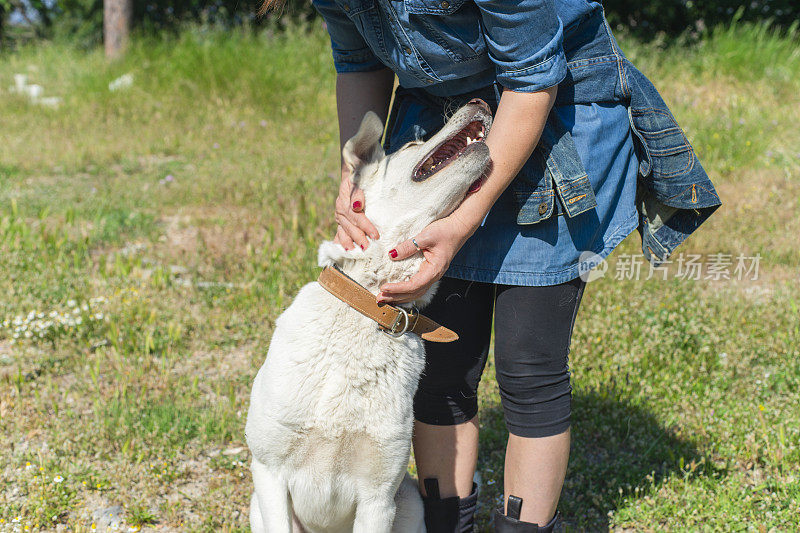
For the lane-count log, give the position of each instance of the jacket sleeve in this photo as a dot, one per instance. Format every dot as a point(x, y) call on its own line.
point(525, 41)
point(350, 51)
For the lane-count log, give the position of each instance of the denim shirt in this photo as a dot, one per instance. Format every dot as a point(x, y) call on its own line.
point(452, 47)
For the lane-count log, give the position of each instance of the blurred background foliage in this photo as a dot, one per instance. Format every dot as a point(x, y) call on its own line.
point(648, 20)
point(81, 21)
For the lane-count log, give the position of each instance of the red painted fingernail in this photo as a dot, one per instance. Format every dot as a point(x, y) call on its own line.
point(393, 253)
point(362, 246)
point(356, 205)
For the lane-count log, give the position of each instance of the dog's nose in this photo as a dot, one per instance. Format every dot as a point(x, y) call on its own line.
point(484, 105)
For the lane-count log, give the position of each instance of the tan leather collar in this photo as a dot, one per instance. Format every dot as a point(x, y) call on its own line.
point(393, 320)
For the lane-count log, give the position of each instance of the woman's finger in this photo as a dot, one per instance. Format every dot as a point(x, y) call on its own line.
point(351, 204)
point(343, 239)
point(415, 287)
point(353, 232)
point(357, 206)
point(405, 249)
point(403, 298)
point(357, 199)
point(363, 223)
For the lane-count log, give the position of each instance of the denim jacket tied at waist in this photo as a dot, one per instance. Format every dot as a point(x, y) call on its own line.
point(674, 193)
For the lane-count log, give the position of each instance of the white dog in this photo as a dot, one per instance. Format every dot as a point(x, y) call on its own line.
point(331, 413)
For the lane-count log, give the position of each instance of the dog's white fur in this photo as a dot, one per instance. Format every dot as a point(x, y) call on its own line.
point(331, 415)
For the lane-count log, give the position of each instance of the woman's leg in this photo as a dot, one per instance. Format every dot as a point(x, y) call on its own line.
point(448, 454)
point(534, 471)
point(533, 327)
point(446, 404)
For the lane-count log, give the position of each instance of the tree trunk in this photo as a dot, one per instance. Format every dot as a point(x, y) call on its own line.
point(116, 26)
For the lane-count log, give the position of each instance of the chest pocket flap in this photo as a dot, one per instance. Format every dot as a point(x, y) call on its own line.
point(433, 7)
point(354, 7)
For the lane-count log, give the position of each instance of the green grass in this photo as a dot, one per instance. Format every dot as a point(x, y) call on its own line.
point(139, 307)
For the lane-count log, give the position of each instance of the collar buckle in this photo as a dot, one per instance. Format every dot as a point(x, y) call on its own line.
point(402, 318)
point(404, 322)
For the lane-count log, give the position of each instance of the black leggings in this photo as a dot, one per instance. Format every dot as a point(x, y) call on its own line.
point(533, 327)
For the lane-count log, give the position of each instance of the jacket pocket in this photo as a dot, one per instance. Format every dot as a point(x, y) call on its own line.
point(667, 152)
point(554, 167)
point(454, 28)
point(532, 191)
point(364, 14)
point(662, 147)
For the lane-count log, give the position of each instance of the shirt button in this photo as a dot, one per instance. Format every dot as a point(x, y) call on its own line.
point(406, 50)
point(543, 208)
point(445, 4)
point(346, 7)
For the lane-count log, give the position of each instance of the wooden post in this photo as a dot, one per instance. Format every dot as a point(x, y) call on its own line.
point(116, 26)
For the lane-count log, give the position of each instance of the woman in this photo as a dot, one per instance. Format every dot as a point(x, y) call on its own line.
point(576, 128)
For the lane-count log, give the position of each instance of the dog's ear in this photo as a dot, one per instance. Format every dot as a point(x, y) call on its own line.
point(365, 146)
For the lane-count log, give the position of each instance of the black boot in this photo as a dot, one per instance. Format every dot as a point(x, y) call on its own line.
point(448, 515)
point(510, 523)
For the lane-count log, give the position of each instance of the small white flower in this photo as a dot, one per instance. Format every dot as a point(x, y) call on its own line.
point(123, 82)
point(58, 479)
point(71, 303)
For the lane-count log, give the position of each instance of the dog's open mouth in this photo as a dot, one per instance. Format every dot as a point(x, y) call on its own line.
point(449, 150)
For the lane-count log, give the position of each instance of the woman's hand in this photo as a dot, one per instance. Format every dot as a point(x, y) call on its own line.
point(439, 242)
point(511, 142)
point(354, 226)
point(357, 93)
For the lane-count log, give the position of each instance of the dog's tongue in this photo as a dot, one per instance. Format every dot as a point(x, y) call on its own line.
point(475, 186)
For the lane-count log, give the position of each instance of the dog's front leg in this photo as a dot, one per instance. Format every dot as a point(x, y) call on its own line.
point(375, 515)
point(272, 495)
